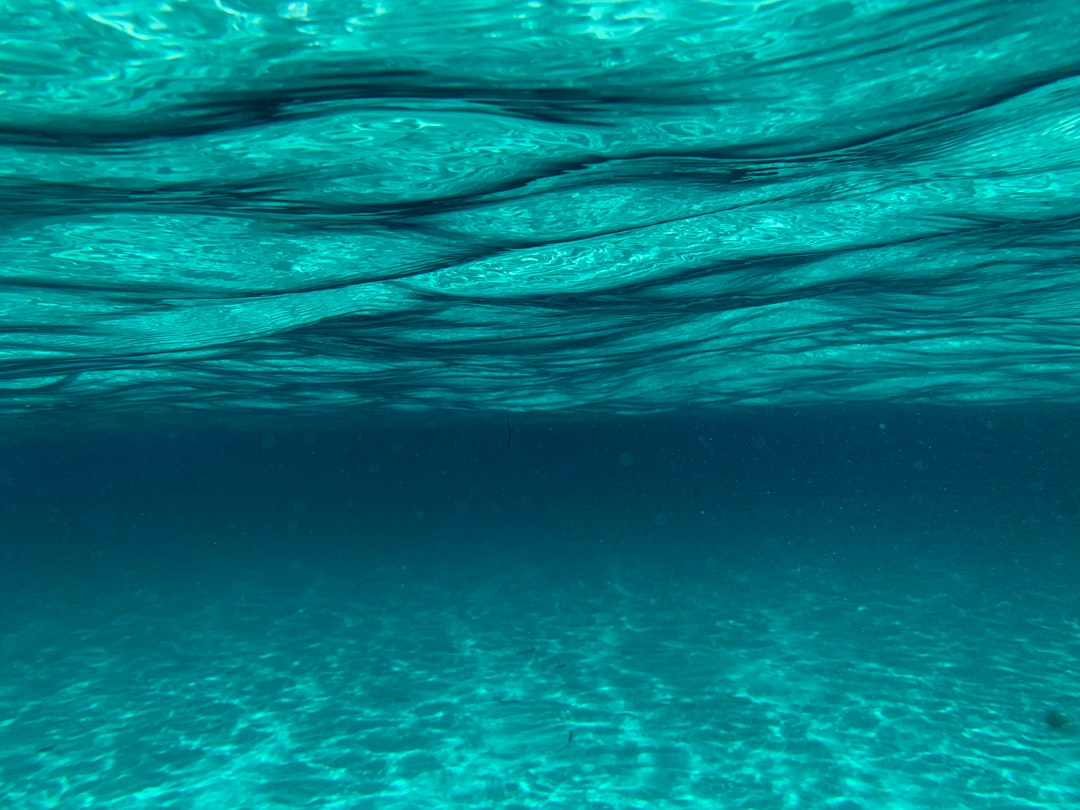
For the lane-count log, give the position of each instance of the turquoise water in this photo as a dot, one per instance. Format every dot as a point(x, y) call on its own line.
point(623, 405)
point(431, 686)
point(617, 207)
point(819, 611)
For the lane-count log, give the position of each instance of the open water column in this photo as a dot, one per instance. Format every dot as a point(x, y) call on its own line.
point(615, 405)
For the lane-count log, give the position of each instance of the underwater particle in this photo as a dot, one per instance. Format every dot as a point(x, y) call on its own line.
point(1056, 719)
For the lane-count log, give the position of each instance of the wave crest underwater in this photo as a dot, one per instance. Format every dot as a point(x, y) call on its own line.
point(608, 207)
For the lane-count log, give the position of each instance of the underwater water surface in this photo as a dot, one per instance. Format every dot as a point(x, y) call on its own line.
point(614, 207)
point(414, 405)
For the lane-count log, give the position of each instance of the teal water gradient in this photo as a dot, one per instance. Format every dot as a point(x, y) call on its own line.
point(545, 206)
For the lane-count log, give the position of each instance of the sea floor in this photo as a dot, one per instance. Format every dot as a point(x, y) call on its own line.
point(620, 682)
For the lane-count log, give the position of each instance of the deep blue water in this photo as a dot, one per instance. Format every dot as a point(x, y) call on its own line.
point(540, 405)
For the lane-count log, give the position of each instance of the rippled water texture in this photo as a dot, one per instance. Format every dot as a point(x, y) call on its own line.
point(611, 206)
